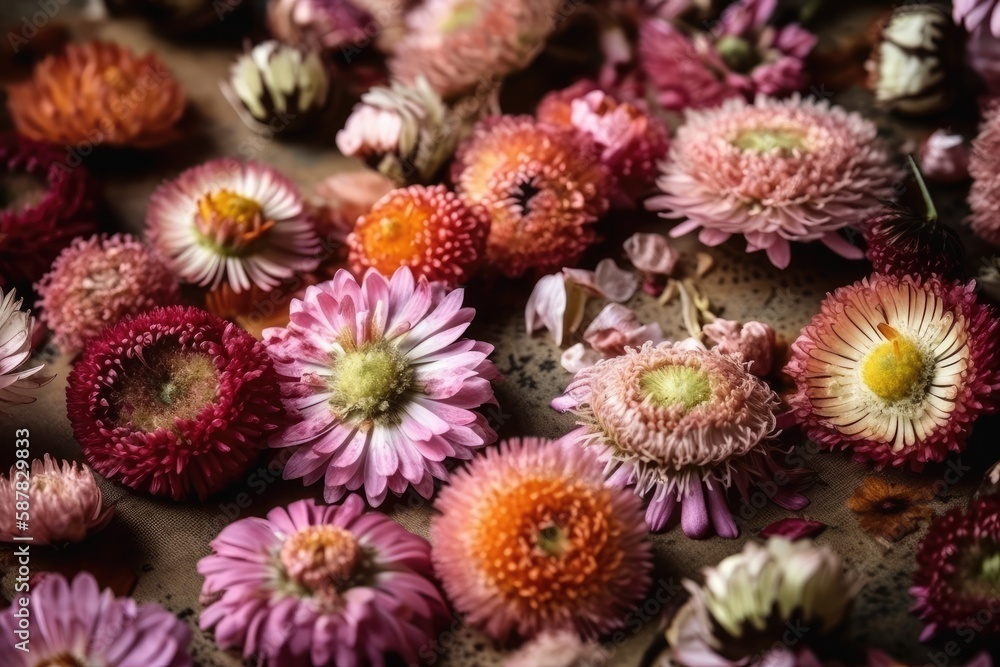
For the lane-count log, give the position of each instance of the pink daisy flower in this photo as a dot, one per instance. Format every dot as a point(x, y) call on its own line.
point(530, 540)
point(229, 221)
point(897, 369)
point(16, 329)
point(775, 171)
point(682, 425)
point(64, 498)
point(975, 13)
point(380, 386)
point(174, 402)
point(75, 623)
point(96, 282)
point(317, 585)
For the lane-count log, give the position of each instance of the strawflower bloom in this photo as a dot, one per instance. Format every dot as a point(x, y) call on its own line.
point(683, 425)
point(173, 402)
point(456, 44)
point(889, 510)
point(65, 503)
point(43, 206)
point(225, 220)
point(543, 187)
point(944, 157)
point(429, 229)
point(530, 540)
point(753, 341)
point(380, 386)
point(98, 94)
point(775, 172)
point(16, 328)
point(984, 167)
point(96, 282)
point(75, 623)
point(896, 369)
point(737, 616)
point(958, 570)
point(320, 585)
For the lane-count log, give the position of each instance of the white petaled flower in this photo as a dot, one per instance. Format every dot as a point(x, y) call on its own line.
point(276, 86)
point(15, 349)
point(747, 600)
point(231, 221)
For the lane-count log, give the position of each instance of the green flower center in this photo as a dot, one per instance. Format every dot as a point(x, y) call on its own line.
point(463, 15)
point(738, 54)
point(989, 570)
point(767, 139)
point(896, 369)
point(368, 383)
point(552, 540)
point(682, 386)
point(169, 386)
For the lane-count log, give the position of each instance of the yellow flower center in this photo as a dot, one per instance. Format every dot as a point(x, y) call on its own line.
point(681, 386)
point(767, 139)
point(368, 382)
point(463, 15)
point(321, 561)
point(229, 221)
point(895, 369)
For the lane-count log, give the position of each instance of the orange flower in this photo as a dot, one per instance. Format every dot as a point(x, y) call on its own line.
point(888, 510)
point(98, 93)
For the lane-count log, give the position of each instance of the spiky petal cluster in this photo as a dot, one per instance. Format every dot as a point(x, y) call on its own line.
point(65, 502)
point(320, 585)
point(530, 540)
point(98, 93)
point(632, 142)
point(747, 601)
point(380, 386)
point(457, 44)
point(774, 172)
point(543, 187)
point(984, 167)
point(682, 425)
point(897, 369)
point(43, 205)
point(16, 328)
point(958, 570)
point(226, 220)
point(901, 242)
point(429, 229)
point(174, 402)
point(99, 280)
point(75, 623)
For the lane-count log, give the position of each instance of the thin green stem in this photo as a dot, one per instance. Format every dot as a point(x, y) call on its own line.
point(932, 214)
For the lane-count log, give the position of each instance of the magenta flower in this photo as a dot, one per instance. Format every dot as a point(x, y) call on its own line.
point(380, 386)
point(75, 623)
point(320, 585)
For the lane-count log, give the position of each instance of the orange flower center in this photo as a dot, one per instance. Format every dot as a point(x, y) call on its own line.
point(230, 222)
point(395, 234)
point(119, 81)
point(322, 560)
point(546, 543)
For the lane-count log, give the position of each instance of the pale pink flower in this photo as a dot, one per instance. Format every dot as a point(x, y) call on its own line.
point(982, 55)
point(380, 386)
point(975, 13)
point(65, 503)
point(653, 256)
point(944, 157)
point(984, 195)
point(617, 327)
point(344, 197)
point(16, 329)
point(775, 171)
point(754, 341)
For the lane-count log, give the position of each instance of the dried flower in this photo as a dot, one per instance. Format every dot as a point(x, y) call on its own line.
point(632, 142)
point(543, 187)
point(562, 648)
point(912, 63)
point(428, 229)
point(958, 570)
point(43, 205)
point(896, 369)
point(984, 167)
point(617, 327)
point(888, 510)
point(944, 157)
point(746, 601)
point(320, 585)
point(65, 502)
point(75, 623)
point(774, 172)
point(231, 221)
point(457, 44)
point(344, 25)
point(381, 387)
point(530, 540)
point(96, 282)
point(275, 87)
point(173, 402)
point(16, 328)
point(753, 341)
point(972, 13)
point(683, 425)
point(98, 93)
